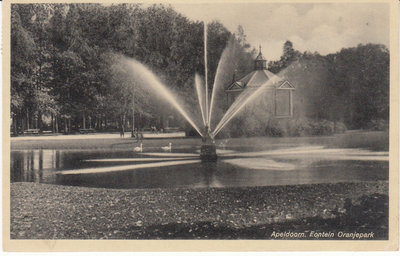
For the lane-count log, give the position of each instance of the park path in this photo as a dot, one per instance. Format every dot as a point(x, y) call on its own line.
point(98, 136)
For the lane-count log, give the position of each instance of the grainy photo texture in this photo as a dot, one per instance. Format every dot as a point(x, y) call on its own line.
point(218, 121)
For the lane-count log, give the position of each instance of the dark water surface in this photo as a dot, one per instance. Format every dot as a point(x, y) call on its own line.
point(234, 168)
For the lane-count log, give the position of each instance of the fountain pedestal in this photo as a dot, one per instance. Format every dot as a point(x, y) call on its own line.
point(208, 151)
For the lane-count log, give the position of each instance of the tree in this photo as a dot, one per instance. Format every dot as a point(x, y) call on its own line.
point(63, 65)
point(22, 56)
point(289, 56)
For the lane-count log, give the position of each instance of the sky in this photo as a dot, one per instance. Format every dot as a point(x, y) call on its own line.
point(325, 28)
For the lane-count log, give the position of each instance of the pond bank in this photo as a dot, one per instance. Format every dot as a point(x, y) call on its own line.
point(42, 211)
point(377, 141)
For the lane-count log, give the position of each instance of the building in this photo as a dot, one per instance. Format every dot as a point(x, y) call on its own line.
point(277, 92)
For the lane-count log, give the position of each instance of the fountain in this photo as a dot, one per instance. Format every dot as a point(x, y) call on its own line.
point(146, 167)
point(242, 163)
point(208, 150)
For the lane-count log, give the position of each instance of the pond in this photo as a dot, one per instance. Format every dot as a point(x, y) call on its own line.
point(236, 167)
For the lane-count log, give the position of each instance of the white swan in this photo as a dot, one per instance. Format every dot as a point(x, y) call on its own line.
point(167, 148)
point(138, 149)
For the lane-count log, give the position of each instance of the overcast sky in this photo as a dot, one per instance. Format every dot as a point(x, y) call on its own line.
point(325, 28)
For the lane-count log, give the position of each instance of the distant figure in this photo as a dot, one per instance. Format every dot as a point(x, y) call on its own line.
point(137, 135)
point(132, 133)
point(141, 137)
point(122, 132)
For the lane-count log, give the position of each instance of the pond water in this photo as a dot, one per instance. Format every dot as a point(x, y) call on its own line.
point(236, 167)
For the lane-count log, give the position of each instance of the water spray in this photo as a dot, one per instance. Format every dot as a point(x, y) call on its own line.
point(208, 151)
point(208, 148)
point(200, 97)
point(146, 76)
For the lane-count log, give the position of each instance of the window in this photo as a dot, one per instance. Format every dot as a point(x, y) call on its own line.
point(283, 103)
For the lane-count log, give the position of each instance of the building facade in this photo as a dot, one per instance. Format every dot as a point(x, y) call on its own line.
point(274, 94)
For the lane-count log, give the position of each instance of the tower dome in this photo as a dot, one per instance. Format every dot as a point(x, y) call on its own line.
point(260, 63)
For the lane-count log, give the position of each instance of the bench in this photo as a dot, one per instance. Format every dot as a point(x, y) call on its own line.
point(85, 131)
point(32, 131)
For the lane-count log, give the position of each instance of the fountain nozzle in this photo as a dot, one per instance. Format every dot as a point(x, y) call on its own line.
point(207, 138)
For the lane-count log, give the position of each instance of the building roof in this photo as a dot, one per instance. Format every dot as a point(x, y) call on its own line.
point(255, 79)
point(258, 77)
point(259, 56)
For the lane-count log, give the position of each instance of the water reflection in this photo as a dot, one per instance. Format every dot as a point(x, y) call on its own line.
point(126, 169)
point(163, 177)
point(35, 165)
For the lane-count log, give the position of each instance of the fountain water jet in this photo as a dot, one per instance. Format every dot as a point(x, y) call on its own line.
point(244, 98)
point(145, 75)
point(208, 148)
point(208, 151)
point(200, 97)
point(206, 74)
point(224, 64)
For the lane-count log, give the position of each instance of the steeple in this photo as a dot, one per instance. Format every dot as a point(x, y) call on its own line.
point(260, 63)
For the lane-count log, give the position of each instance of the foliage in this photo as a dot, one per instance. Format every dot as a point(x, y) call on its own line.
point(378, 125)
point(351, 86)
point(64, 63)
point(302, 127)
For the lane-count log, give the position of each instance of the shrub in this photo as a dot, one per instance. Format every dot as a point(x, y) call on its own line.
point(298, 127)
point(340, 127)
point(273, 129)
point(378, 125)
point(249, 127)
point(236, 129)
point(322, 127)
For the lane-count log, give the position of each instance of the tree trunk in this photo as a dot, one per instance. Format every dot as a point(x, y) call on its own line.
point(56, 124)
point(22, 123)
point(83, 120)
point(133, 114)
point(39, 120)
point(27, 119)
point(65, 126)
point(35, 121)
point(52, 123)
point(133, 119)
point(15, 120)
point(123, 120)
point(98, 122)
